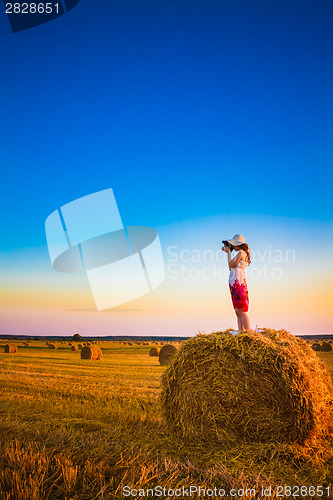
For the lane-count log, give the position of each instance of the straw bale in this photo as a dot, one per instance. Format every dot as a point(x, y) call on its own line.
point(326, 347)
point(316, 346)
point(80, 346)
point(53, 346)
point(166, 354)
point(247, 388)
point(91, 352)
point(74, 348)
point(153, 351)
point(10, 348)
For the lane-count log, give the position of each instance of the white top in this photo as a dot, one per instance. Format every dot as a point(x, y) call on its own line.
point(238, 272)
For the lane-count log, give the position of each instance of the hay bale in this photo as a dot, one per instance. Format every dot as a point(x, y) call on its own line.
point(316, 346)
point(153, 351)
point(74, 348)
point(252, 387)
point(326, 347)
point(10, 348)
point(91, 352)
point(80, 346)
point(166, 354)
point(53, 346)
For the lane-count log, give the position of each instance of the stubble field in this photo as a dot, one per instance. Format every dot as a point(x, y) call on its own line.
point(82, 429)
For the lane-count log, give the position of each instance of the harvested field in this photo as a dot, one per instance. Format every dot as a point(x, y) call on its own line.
point(82, 430)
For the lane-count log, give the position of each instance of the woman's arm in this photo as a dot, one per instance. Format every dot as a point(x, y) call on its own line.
point(233, 262)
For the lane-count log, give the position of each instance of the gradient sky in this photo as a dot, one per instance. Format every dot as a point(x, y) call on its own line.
point(207, 118)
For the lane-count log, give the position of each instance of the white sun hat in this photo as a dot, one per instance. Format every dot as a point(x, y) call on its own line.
point(237, 240)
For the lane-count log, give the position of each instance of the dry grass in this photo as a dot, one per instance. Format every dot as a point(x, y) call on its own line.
point(166, 354)
point(326, 347)
point(91, 352)
point(71, 430)
point(221, 389)
point(10, 348)
point(153, 351)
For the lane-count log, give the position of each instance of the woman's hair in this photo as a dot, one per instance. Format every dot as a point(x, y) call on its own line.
point(248, 252)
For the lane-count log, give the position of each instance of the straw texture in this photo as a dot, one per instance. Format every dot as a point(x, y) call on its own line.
point(252, 387)
point(153, 351)
point(166, 354)
point(91, 352)
point(10, 348)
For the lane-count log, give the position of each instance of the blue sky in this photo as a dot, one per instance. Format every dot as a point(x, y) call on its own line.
point(207, 118)
point(186, 109)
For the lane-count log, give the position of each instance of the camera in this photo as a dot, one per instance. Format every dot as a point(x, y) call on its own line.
point(227, 244)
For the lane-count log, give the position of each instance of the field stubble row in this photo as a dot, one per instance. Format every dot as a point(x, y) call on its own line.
point(79, 429)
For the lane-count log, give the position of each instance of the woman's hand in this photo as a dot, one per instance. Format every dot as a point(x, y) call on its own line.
point(226, 250)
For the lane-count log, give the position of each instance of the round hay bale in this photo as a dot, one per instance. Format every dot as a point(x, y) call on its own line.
point(326, 347)
point(10, 348)
point(153, 351)
point(74, 348)
point(316, 346)
point(80, 346)
point(53, 346)
point(91, 352)
point(251, 387)
point(166, 354)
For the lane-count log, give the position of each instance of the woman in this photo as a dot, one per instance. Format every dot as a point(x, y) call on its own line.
point(237, 279)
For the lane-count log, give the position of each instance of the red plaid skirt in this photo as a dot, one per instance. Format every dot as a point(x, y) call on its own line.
point(239, 295)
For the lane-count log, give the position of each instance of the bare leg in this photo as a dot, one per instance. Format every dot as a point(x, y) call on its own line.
point(245, 321)
point(239, 314)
